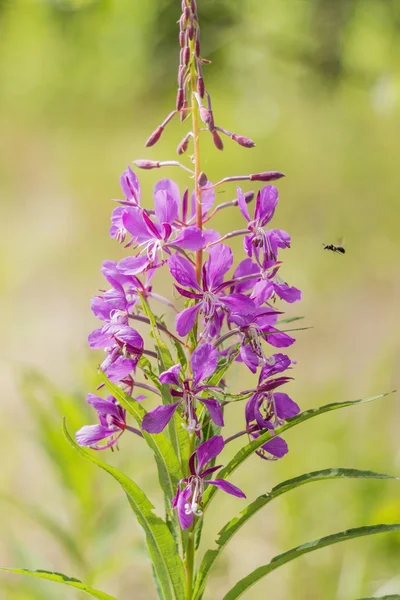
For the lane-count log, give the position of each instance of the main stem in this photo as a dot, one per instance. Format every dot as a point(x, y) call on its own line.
point(196, 154)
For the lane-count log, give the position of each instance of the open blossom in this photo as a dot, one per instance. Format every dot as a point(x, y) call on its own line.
point(112, 424)
point(204, 361)
point(266, 408)
point(188, 499)
point(262, 243)
point(124, 346)
point(211, 297)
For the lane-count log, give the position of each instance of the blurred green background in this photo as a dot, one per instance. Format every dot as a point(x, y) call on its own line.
point(316, 83)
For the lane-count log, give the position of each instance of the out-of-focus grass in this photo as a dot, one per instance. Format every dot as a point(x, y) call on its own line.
point(84, 83)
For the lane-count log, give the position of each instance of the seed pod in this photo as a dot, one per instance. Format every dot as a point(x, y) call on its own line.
point(217, 140)
point(266, 176)
point(243, 141)
point(155, 136)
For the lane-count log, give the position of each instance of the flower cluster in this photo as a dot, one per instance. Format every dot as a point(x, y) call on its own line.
point(228, 310)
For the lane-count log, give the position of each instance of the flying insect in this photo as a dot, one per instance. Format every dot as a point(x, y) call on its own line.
point(339, 248)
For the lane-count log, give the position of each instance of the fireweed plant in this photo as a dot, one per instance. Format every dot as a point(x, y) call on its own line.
point(233, 311)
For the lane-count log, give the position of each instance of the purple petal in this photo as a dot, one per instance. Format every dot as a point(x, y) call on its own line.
point(227, 487)
point(249, 357)
point(215, 410)
point(130, 185)
point(183, 271)
point(99, 339)
point(277, 447)
point(171, 376)
point(238, 303)
point(287, 293)
point(277, 363)
point(156, 420)
point(246, 267)
point(262, 292)
point(209, 450)
point(210, 235)
point(91, 434)
point(242, 204)
point(190, 238)
point(119, 368)
point(204, 361)
point(105, 407)
point(207, 200)
point(267, 200)
point(186, 320)
point(279, 339)
point(170, 187)
point(134, 223)
point(166, 207)
point(131, 339)
point(132, 265)
point(285, 407)
point(219, 263)
point(184, 497)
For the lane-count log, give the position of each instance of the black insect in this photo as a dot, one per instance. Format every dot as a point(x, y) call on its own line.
point(334, 248)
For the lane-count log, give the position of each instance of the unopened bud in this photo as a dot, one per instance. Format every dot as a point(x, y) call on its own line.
point(183, 145)
point(183, 5)
point(181, 75)
point(197, 46)
point(186, 13)
point(243, 141)
point(202, 180)
point(193, 6)
point(185, 200)
point(155, 136)
point(180, 96)
point(186, 56)
point(146, 164)
point(266, 176)
point(217, 140)
point(184, 112)
point(190, 31)
point(200, 87)
point(181, 38)
point(206, 116)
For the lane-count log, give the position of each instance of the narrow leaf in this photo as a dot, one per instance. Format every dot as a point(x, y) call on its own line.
point(252, 446)
point(222, 368)
point(244, 584)
point(233, 526)
point(160, 543)
point(164, 355)
point(60, 578)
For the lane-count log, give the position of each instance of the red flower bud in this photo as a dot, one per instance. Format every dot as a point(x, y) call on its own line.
point(181, 39)
point(243, 141)
point(183, 145)
point(155, 136)
point(186, 56)
point(217, 140)
point(266, 176)
point(190, 31)
point(202, 180)
point(184, 113)
point(206, 116)
point(197, 47)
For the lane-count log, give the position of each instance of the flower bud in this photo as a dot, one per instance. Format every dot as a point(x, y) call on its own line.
point(185, 201)
point(217, 140)
point(190, 31)
point(186, 13)
point(206, 116)
point(146, 164)
point(193, 6)
point(202, 179)
point(243, 141)
point(186, 56)
point(155, 136)
point(180, 96)
point(200, 87)
point(183, 145)
point(184, 113)
point(197, 46)
point(266, 176)
point(181, 38)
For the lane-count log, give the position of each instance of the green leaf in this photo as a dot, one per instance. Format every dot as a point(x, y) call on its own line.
point(145, 365)
point(233, 526)
point(244, 584)
point(164, 355)
point(252, 446)
point(289, 320)
point(160, 542)
point(222, 368)
point(60, 578)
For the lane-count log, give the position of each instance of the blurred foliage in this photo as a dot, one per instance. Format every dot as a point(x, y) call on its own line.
point(317, 84)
